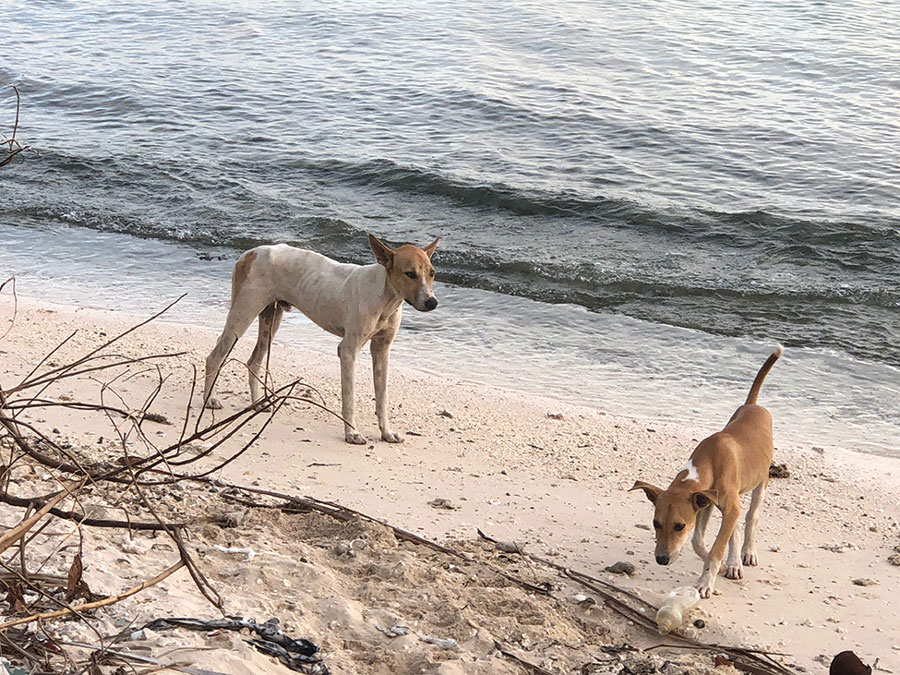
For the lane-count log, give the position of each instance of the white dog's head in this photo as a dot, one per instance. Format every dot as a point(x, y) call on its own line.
point(410, 270)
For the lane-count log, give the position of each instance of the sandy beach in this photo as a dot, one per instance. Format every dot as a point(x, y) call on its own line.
point(551, 476)
point(632, 205)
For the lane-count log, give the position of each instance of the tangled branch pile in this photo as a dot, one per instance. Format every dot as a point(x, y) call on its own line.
point(131, 476)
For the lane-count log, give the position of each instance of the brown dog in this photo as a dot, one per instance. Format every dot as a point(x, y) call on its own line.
point(723, 467)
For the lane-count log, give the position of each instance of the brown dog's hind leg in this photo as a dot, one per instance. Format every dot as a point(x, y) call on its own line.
point(748, 553)
point(733, 567)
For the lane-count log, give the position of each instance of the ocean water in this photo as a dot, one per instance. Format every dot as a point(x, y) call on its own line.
point(636, 199)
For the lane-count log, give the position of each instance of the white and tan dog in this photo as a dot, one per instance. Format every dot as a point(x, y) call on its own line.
point(723, 467)
point(356, 303)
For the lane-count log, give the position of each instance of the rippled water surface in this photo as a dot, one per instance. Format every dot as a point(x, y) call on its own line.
point(728, 170)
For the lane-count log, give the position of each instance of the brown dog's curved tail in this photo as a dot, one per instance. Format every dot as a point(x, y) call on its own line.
point(761, 375)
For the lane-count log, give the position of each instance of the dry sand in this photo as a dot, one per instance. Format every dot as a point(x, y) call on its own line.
point(552, 476)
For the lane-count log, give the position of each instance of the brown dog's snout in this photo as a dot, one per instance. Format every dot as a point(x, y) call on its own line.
point(662, 559)
point(431, 303)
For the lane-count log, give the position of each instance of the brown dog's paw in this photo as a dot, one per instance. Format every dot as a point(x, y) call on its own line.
point(705, 583)
point(355, 438)
point(750, 559)
point(734, 572)
point(391, 437)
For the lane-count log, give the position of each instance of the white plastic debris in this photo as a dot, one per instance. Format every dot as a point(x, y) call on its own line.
point(675, 607)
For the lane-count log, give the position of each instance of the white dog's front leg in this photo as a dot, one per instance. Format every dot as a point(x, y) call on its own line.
point(348, 351)
point(381, 352)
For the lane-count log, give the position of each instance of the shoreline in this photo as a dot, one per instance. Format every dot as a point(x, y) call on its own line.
point(604, 361)
point(559, 485)
point(881, 464)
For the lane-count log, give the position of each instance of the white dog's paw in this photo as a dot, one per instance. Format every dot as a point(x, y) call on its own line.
point(213, 404)
point(262, 405)
point(750, 558)
point(355, 438)
point(391, 437)
point(734, 570)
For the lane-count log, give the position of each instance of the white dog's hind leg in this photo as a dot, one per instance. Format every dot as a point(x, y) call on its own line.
point(749, 556)
point(269, 322)
point(236, 324)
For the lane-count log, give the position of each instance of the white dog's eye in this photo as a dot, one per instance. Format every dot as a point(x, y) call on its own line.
point(411, 275)
point(679, 527)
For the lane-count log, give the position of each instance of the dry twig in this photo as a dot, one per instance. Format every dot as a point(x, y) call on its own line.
point(13, 147)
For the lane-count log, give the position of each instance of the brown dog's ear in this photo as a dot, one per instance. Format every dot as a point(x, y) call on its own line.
point(429, 250)
point(383, 254)
point(700, 500)
point(651, 491)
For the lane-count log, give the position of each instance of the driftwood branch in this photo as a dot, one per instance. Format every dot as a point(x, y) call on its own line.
point(19, 531)
point(82, 519)
point(162, 666)
point(532, 667)
point(345, 513)
point(629, 605)
point(98, 603)
point(619, 600)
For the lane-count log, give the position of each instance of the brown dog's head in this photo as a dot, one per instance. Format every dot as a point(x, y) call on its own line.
point(674, 516)
point(410, 271)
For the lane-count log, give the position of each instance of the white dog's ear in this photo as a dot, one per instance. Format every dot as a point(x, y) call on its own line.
point(383, 254)
point(651, 491)
point(430, 248)
point(700, 500)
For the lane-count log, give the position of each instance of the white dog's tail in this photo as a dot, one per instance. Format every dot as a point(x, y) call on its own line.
point(761, 375)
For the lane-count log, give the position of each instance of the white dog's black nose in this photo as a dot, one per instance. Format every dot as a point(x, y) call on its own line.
point(430, 303)
point(662, 559)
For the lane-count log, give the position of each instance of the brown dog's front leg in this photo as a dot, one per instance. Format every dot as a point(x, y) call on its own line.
point(698, 541)
point(730, 516)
